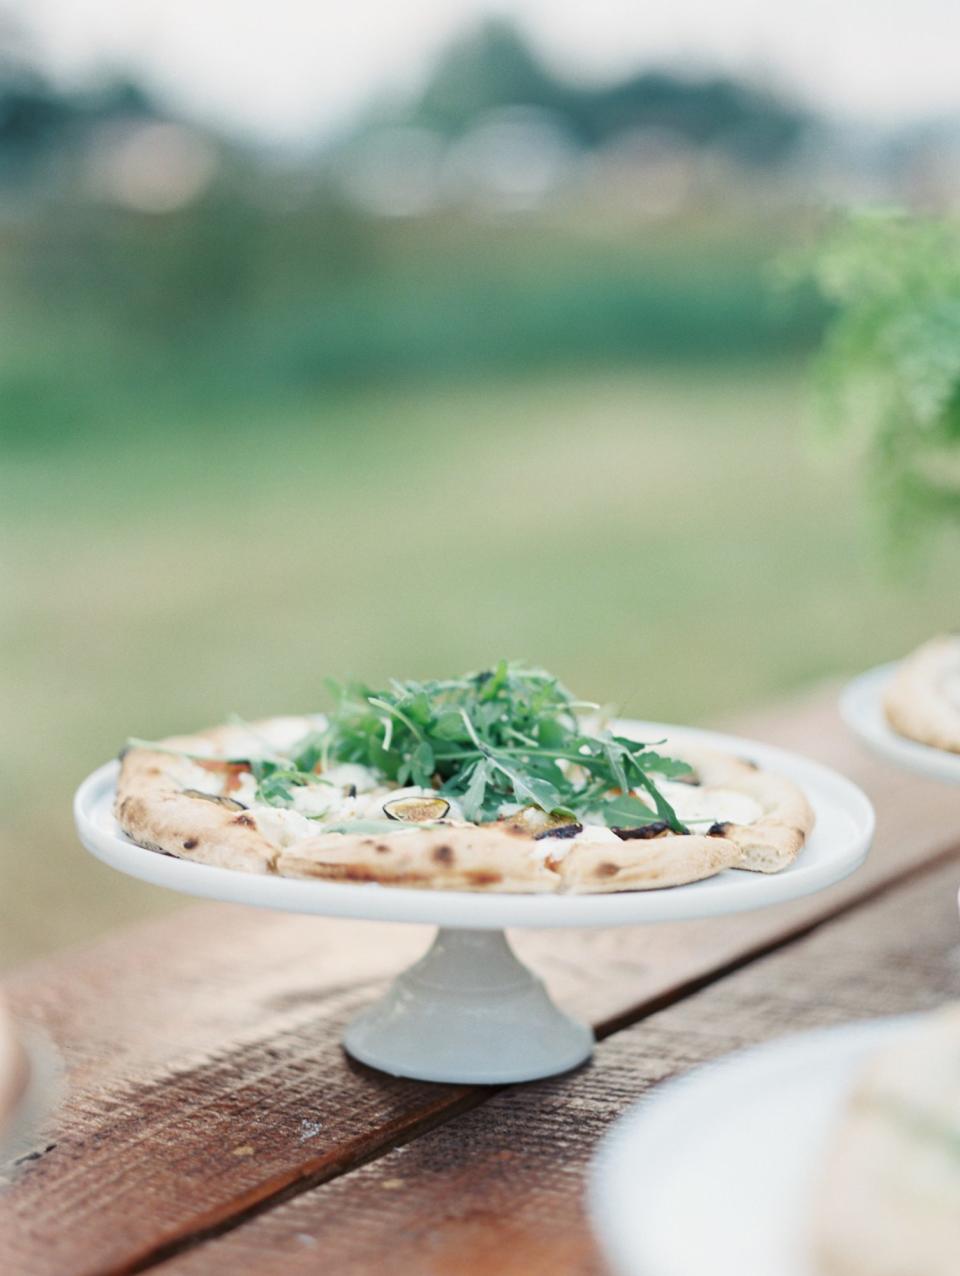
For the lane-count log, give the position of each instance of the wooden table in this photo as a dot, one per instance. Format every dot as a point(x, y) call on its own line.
point(212, 1124)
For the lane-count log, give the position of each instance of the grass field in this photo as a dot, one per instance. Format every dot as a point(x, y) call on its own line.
point(666, 541)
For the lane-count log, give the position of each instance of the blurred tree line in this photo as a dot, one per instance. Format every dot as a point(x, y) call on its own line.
point(494, 66)
point(147, 264)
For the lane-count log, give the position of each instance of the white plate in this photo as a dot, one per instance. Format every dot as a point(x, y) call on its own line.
point(837, 846)
point(861, 706)
point(714, 1174)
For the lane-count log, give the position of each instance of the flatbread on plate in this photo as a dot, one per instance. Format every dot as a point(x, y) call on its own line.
point(205, 808)
point(14, 1071)
point(922, 701)
point(888, 1196)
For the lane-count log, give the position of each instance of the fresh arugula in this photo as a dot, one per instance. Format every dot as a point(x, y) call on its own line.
point(505, 736)
point(508, 735)
point(275, 781)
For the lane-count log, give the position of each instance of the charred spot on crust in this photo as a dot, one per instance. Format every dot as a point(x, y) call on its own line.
point(653, 829)
point(484, 878)
point(231, 804)
point(718, 829)
point(564, 830)
point(330, 872)
point(754, 766)
point(223, 764)
point(381, 848)
point(246, 820)
point(190, 843)
point(132, 808)
point(443, 854)
point(357, 873)
point(606, 869)
point(506, 826)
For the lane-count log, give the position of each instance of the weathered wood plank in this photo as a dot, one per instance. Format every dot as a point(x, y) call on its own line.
point(500, 1189)
point(202, 1051)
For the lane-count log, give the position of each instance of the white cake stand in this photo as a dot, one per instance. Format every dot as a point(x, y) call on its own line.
point(669, 1186)
point(861, 706)
point(469, 1011)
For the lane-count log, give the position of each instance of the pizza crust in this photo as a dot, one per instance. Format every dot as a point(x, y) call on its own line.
point(159, 810)
point(918, 703)
point(647, 864)
point(153, 810)
point(452, 857)
point(772, 842)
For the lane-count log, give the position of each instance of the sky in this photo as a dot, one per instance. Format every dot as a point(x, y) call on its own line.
point(287, 70)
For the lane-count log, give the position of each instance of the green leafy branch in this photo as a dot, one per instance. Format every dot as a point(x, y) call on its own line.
point(889, 370)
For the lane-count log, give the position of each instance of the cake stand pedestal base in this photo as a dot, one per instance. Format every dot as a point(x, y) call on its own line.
point(468, 1012)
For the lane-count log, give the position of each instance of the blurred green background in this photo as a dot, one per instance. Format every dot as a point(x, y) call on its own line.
point(503, 369)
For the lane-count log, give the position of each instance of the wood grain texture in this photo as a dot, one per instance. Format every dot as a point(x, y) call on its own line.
point(501, 1189)
point(205, 1076)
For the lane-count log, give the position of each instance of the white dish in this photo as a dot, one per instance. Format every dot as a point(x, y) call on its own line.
point(714, 1173)
point(21, 1126)
point(469, 1011)
point(861, 706)
point(14, 1071)
point(837, 846)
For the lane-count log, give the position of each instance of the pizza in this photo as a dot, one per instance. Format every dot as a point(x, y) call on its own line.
point(888, 1200)
point(922, 701)
point(497, 781)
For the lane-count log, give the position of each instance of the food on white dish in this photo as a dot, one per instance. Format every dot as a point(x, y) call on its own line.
point(13, 1071)
point(922, 701)
point(889, 1197)
point(494, 781)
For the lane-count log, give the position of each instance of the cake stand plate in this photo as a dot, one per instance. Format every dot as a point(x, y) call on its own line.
point(861, 706)
point(469, 1011)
